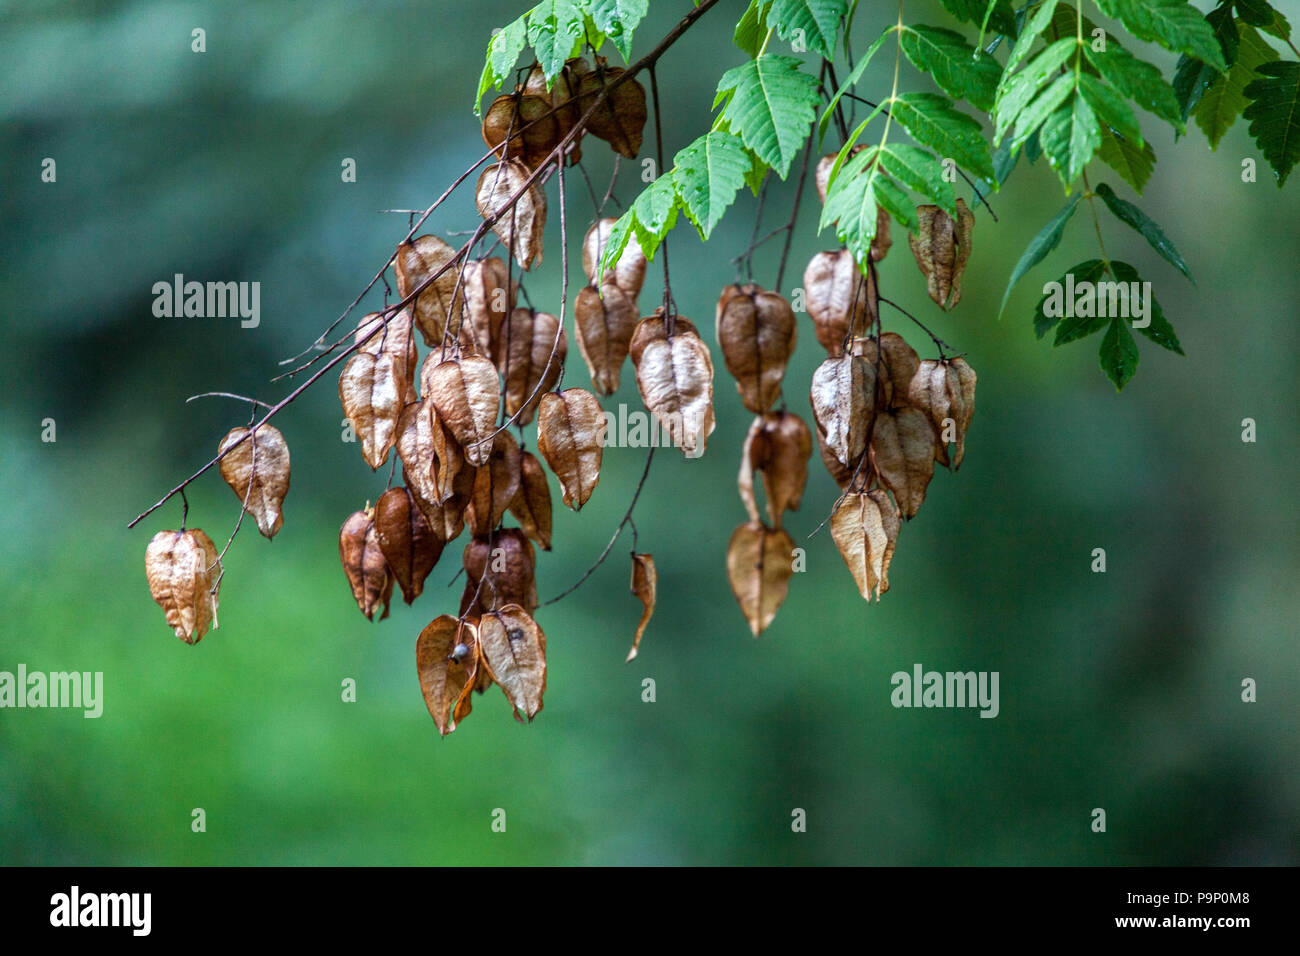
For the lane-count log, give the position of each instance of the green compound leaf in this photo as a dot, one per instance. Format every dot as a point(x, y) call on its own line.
point(708, 174)
point(1174, 24)
point(1090, 271)
point(819, 21)
point(771, 107)
point(1048, 238)
point(954, 64)
point(1274, 114)
point(932, 121)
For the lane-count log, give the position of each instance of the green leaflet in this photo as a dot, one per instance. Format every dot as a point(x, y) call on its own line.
point(848, 83)
point(1258, 13)
point(708, 173)
point(1118, 354)
point(617, 19)
point(1048, 238)
point(932, 121)
point(1223, 102)
point(1174, 24)
point(750, 31)
point(852, 202)
point(1111, 108)
point(921, 172)
point(771, 107)
point(999, 14)
point(650, 217)
point(554, 29)
point(1274, 114)
point(1070, 136)
point(1134, 165)
point(819, 21)
point(1016, 92)
point(1137, 79)
point(1035, 25)
point(502, 52)
point(1158, 330)
point(1090, 271)
point(953, 63)
point(1044, 105)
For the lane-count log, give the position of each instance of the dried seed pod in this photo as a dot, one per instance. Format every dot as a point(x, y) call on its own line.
point(496, 484)
point(628, 273)
point(945, 391)
point(447, 660)
point(409, 545)
point(514, 650)
point(619, 120)
point(865, 528)
point(446, 518)
point(464, 393)
point(364, 564)
point(777, 447)
point(520, 227)
point(396, 341)
point(895, 363)
point(570, 434)
point(440, 302)
point(506, 564)
point(841, 396)
point(844, 475)
point(489, 298)
point(563, 97)
point(257, 470)
point(759, 567)
point(415, 447)
point(841, 300)
point(941, 247)
point(645, 584)
point(183, 569)
point(675, 377)
point(532, 506)
point(604, 320)
point(530, 353)
point(529, 122)
point(756, 330)
point(372, 397)
point(902, 453)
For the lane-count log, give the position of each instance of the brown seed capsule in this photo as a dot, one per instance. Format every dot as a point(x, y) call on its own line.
point(532, 506)
point(372, 397)
point(941, 247)
point(675, 378)
point(514, 650)
point(756, 331)
point(506, 564)
point(945, 391)
point(415, 448)
point(489, 298)
point(520, 227)
point(409, 545)
point(397, 341)
point(645, 584)
point(530, 353)
point(604, 320)
point(839, 298)
point(865, 528)
point(563, 97)
point(759, 567)
point(529, 122)
point(496, 484)
point(257, 470)
point(570, 436)
point(619, 120)
point(902, 453)
point(895, 363)
point(464, 393)
point(364, 564)
point(777, 447)
point(446, 660)
point(841, 396)
point(842, 474)
point(183, 569)
point(628, 273)
point(440, 302)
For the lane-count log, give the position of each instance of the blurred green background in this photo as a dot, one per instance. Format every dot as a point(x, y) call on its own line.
point(1118, 690)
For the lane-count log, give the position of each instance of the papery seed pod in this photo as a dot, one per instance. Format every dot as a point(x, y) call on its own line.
point(364, 564)
point(759, 567)
point(514, 650)
point(257, 470)
point(619, 120)
point(464, 393)
point(529, 354)
point(777, 447)
point(841, 396)
point(183, 570)
point(397, 341)
point(902, 453)
point(520, 228)
point(570, 436)
point(675, 378)
point(446, 661)
point(843, 475)
point(532, 505)
point(563, 95)
point(409, 545)
point(645, 585)
point(839, 297)
point(496, 484)
point(372, 397)
point(446, 518)
point(489, 298)
point(628, 273)
point(506, 564)
point(756, 331)
point(440, 302)
point(530, 123)
point(604, 321)
point(865, 528)
point(415, 448)
point(895, 363)
point(945, 391)
point(941, 247)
